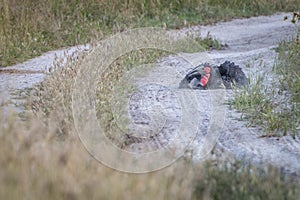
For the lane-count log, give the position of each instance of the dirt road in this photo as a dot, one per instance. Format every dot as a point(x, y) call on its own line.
point(250, 42)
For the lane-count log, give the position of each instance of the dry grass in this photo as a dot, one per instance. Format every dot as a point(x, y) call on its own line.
point(42, 157)
point(35, 164)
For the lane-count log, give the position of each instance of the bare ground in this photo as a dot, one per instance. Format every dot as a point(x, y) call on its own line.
point(250, 42)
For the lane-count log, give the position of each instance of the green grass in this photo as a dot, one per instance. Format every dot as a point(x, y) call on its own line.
point(48, 161)
point(275, 106)
point(209, 43)
point(41, 155)
point(238, 181)
point(261, 105)
point(30, 27)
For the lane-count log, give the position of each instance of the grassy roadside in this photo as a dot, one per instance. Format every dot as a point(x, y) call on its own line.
point(48, 161)
point(29, 28)
point(276, 106)
point(41, 157)
point(35, 165)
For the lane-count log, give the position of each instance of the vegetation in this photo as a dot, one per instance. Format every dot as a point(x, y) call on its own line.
point(115, 86)
point(41, 156)
point(276, 105)
point(111, 81)
point(210, 43)
point(239, 181)
point(35, 164)
point(31, 27)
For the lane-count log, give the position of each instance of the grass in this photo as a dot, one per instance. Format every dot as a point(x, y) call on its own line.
point(275, 106)
point(29, 28)
point(240, 181)
point(35, 164)
point(41, 155)
point(112, 84)
point(261, 105)
point(210, 43)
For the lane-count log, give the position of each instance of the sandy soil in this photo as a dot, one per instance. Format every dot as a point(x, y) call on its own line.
point(250, 41)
